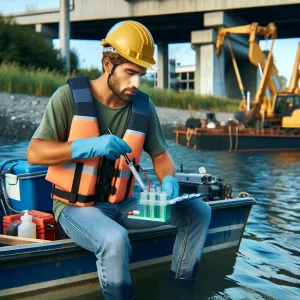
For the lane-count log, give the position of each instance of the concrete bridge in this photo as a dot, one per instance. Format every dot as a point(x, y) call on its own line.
point(175, 21)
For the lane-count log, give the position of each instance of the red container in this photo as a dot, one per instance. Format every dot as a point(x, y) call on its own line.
point(45, 225)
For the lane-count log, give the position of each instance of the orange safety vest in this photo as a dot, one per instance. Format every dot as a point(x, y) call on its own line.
point(84, 181)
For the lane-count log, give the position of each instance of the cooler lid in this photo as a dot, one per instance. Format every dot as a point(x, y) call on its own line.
point(21, 166)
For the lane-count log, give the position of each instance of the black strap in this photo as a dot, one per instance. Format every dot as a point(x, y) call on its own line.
point(79, 198)
point(105, 174)
point(106, 189)
point(109, 171)
point(76, 182)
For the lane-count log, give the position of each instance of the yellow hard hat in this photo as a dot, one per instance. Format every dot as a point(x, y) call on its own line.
point(133, 41)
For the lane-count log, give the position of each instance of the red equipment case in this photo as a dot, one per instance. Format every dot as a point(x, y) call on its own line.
point(45, 225)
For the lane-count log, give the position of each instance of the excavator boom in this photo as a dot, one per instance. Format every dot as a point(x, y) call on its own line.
point(270, 78)
point(294, 86)
point(252, 30)
point(284, 106)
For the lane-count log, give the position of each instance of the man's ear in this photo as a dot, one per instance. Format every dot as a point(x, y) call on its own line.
point(107, 65)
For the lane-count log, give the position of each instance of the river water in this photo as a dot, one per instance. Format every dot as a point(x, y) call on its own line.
point(267, 265)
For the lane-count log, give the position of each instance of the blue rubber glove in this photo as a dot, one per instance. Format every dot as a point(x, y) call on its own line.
point(170, 186)
point(109, 145)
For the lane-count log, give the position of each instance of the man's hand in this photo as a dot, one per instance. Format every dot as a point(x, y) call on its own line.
point(170, 186)
point(109, 145)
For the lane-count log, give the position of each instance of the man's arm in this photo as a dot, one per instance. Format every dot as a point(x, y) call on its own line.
point(49, 153)
point(42, 152)
point(163, 165)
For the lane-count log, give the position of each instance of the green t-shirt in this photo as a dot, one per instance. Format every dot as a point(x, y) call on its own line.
point(57, 119)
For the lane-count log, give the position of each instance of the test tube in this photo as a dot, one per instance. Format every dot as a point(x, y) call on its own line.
point(143, 196)
point(143, 202)
point(152, 199)
point(158, 191)
point(163, 196)
point(157, 206)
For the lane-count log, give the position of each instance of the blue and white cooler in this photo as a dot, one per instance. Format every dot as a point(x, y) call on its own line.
point(26, 185)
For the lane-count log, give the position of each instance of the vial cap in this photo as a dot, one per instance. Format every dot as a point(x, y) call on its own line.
point(26, 216)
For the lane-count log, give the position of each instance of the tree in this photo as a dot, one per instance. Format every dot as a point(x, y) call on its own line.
point(27, 47)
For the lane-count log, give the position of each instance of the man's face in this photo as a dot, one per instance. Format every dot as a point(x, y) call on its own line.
point(125, 80)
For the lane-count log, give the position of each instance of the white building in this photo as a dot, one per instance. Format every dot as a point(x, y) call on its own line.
point(185, 77)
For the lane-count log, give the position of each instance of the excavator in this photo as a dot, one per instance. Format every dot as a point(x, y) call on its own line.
point(273, 105)
point(287, 104)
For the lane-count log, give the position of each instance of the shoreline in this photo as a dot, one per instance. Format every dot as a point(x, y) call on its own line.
point(21, 114)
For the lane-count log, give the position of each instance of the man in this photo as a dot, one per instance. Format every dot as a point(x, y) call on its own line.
point(68, 141)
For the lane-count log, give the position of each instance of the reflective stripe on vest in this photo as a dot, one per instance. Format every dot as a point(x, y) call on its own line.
point(85, 125)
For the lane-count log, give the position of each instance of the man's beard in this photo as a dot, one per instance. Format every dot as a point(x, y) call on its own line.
point(114, 85)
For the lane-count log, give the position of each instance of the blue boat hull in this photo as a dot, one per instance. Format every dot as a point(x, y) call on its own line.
point(49, 268)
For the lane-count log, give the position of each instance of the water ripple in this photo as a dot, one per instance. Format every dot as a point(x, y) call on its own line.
point(268, 263)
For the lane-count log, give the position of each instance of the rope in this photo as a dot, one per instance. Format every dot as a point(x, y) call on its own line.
point(243, 195)
point(176, 136)
point(195, 132)
point(230, 138)
point(189, 134)
point(236, 137)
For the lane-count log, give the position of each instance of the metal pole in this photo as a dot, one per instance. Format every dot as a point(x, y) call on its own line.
point(64, 32)
point(248, 101)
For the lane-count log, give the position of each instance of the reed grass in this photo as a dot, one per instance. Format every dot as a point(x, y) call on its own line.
point(181, 100)
point(14, 79)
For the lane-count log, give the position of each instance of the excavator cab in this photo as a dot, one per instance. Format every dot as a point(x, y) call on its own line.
point(286, 104)
point(287, 108)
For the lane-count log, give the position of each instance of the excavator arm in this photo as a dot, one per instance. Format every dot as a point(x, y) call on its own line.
point(270, 78)
point(294, 86)
point(252, 30)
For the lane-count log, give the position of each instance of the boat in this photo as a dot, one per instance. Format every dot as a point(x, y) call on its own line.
point(270, 122)
point(52, 269)
point(234, 139)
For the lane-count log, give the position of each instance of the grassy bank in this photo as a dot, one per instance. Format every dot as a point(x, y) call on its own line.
point(14, 79)
point(169, 98)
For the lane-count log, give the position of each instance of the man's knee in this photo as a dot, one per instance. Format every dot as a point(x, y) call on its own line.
point(117, 241)
point(204, 211)
point(200, 212)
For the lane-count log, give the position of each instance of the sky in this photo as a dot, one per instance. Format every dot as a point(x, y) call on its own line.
point(90, 51)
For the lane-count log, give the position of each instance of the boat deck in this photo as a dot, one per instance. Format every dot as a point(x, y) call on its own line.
point(233, 138)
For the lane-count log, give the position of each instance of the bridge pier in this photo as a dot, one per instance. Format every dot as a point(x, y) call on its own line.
point(163, 66)
point(64, 32)
point(48, 33)
point(215, 75)
point(209, 74)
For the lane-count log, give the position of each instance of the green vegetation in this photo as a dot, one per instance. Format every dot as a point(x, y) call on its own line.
point(169, 98)
point(14, 79)
point(23, 45)
point(38, 82)
point(29, 66)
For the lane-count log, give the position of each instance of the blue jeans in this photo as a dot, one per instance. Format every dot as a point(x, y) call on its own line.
point(102, 230)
